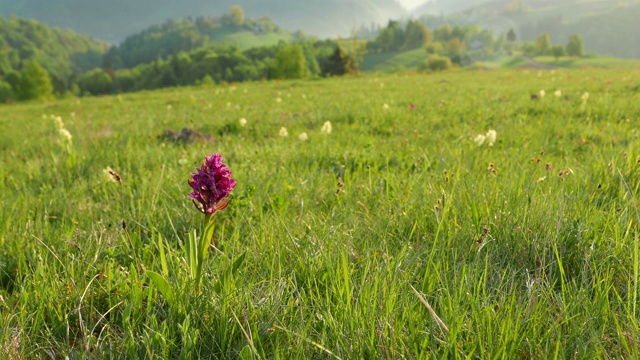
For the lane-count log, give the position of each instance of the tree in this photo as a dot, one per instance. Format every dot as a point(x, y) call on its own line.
point(454, 49)
point(543, 44)
point(235, 16)
point(289, 63)
point(575, 47)
point(96, 82)
point(416, 35)
point(511, 36)
point(443, 33)
point(557, 51)
point(34, 83)
point(390, 38)
point(336, 63)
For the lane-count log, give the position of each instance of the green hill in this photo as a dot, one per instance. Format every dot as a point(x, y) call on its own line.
point(62, 52)
point(184, 35)
point(114, 20)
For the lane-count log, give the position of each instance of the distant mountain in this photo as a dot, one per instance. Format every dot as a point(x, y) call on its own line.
point(116, 19)
point(608, 27)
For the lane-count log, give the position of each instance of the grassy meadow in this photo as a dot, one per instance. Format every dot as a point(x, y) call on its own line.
point(396, 235)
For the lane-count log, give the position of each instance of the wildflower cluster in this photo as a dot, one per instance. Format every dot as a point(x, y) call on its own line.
point(65, 135)
point(585, 97)
point(489, 138)
point(326, 127)
point(211, 185)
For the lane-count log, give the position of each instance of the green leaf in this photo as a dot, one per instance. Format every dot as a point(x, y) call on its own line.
point(229, 273)
point(245, 353)
point(162, 284)
point(208, 231)
point(237, 262)
point(163, 258)
point(192, 255)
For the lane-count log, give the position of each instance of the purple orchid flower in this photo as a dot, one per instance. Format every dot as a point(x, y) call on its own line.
point(211, 185)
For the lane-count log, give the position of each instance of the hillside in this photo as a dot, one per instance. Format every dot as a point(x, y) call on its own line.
point(184, 35)
point(117, 19)
point(62, 52)
point(608, 27)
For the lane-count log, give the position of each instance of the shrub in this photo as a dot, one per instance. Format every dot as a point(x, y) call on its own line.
point(6, 92)
point(433, 48)
point(436, 63)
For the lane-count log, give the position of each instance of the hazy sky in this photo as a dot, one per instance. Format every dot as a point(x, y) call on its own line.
point(410, 4)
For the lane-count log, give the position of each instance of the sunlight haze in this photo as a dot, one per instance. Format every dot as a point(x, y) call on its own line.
point(411, 4)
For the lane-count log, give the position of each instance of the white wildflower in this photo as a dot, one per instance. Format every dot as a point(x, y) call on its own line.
point(491, 137)
point(326, 127)
point(65, 134)
point(278, 100)
point(542, 179)
point(585, 97)
point(303, 136)
point(183, 161)
point(558, 93)
point(243, 122)
point(479, 140)
point(385, 107)
point(283, 132)
point(59, 123)
point(542, 93)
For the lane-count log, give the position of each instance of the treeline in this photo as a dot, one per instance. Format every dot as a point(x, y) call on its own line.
point(543, 46)
point(27, 72)
point(184, 35)
point(396, 37)
point(63, 53)
point(613, 33)
point(460, 44)
point(224, 63)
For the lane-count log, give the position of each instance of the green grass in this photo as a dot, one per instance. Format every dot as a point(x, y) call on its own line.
point(599, 62)
point(525, 249)
point(407, 60)
point(549, 62)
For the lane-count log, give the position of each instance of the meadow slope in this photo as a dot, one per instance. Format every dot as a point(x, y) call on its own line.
point(524, 249)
